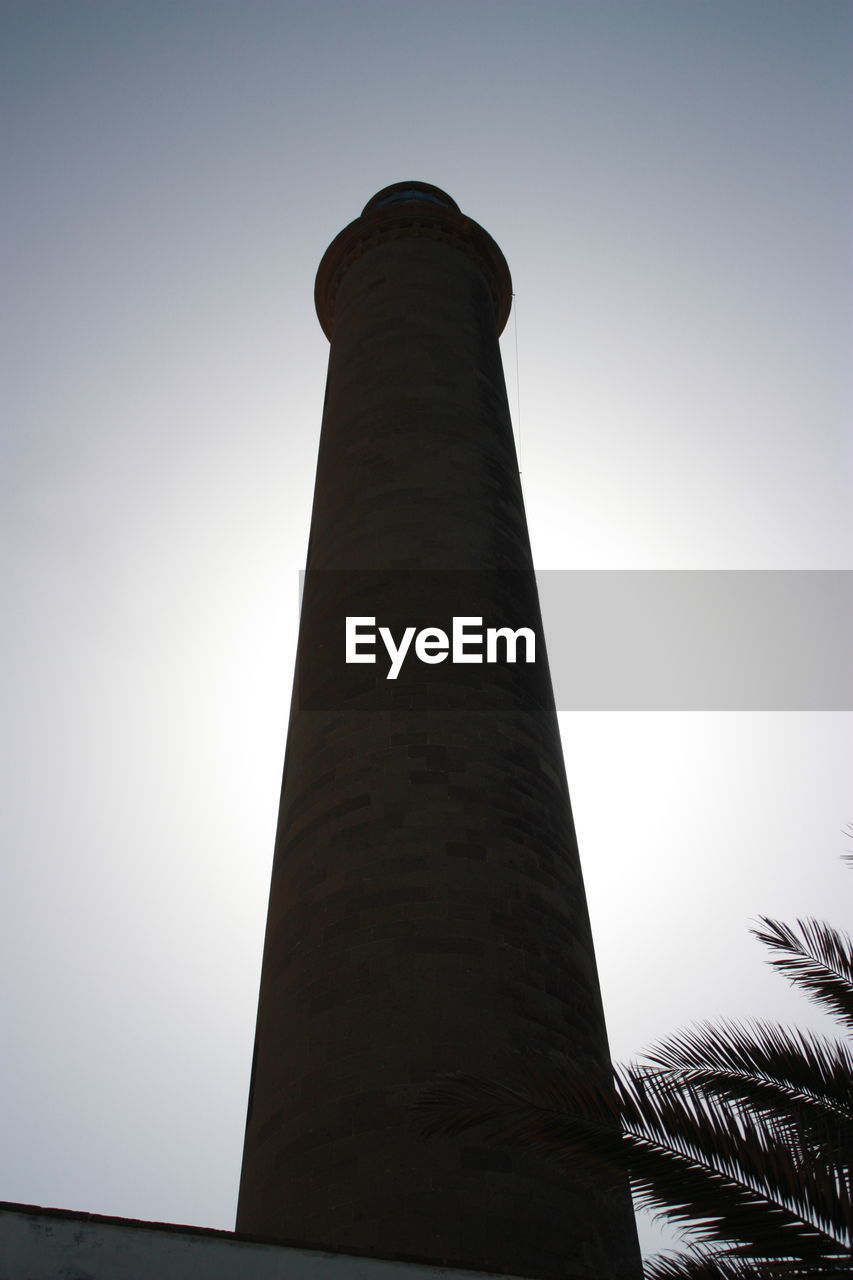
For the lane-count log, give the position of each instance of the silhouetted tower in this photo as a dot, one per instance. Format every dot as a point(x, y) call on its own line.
point(427, 911)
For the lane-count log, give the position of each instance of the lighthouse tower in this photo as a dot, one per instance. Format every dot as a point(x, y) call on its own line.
point(427, 910)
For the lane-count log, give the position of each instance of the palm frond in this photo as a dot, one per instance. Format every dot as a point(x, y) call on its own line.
point(796, 1083)
point(761, 1066)
point(541, 1119)
point(703, 1264)
point(688, 1266)
point(711, 1264)
point(684, 1158)
point(741, 1132)
point(727, 1174)
point(819, 959)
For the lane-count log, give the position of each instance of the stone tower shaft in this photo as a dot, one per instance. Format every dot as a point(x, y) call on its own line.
point(427, 911)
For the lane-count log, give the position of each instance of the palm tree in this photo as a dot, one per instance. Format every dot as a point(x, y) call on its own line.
point(742, 1131)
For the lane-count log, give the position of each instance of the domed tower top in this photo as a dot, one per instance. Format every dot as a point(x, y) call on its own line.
point(410, 193)
point(411, 209)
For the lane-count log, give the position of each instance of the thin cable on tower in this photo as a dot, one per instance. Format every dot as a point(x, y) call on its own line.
point(517, 381)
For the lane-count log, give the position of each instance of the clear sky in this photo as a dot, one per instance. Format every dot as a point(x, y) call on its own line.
point(671, 185)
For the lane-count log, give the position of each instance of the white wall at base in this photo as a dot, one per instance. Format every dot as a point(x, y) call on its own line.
point(55, 1244)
